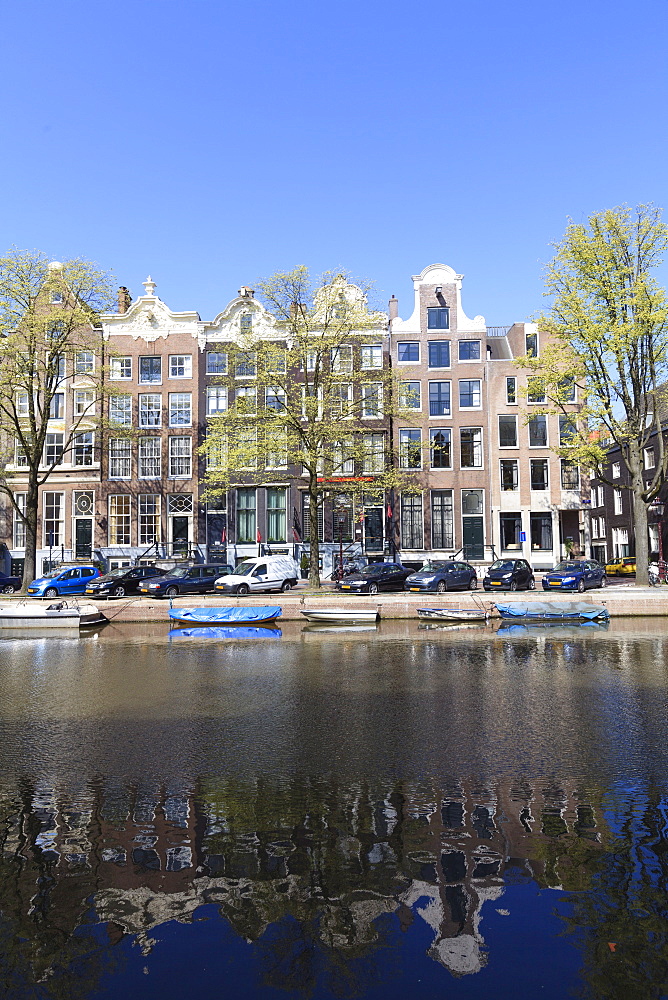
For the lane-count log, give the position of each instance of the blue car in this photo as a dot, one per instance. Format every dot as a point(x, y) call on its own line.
point(575, 575)
point(63, 582)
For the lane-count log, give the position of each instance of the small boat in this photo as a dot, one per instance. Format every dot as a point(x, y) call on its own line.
point(342, 615)
point(61, 614)
point(225, 617)
point(339, 628)
point(454, 614)
point(566, 628)
point(570, 611)
point(231, 632)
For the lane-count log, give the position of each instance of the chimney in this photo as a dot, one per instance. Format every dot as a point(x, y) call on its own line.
point(246, 293)
point(124, 299)
point(393, 307)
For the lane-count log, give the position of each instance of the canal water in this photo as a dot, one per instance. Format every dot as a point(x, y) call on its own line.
point(402, 812)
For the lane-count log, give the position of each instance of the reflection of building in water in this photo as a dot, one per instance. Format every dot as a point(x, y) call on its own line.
point(333, 857)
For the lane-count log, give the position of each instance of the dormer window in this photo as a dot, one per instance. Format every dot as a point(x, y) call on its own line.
point(246, 322)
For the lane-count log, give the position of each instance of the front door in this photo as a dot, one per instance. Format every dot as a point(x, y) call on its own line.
point(473, 537)
point(179, 535)
point(373, 529)
point(83, 538)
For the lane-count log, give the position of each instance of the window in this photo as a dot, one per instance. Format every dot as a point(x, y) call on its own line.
point(180, 409)
point(340, 400)
point(149, 519)
point(120, 368)
point(507, 431)
point(246, 399)
point(84, 402)
point(246, 530)
point(442, 520)
point(246, 440)
point(53, 520)
point(509, 475)
point(411, 521)
point(439, 399)
point(180, 365)
point(531, 344)
point(277, 447)
point(469, 350)
point(22, 404)
point(511, 389)
point(343, 462)
point(149, 459)
point(620, 541)
point(276, 520)
point(511, 526)
point(275, 360)
point(120, 410)
point(372, 356)
point(601, 497)
point(274, 399)
point(120, 458)
point(82, 448)
point(617, 501)
point(570, 476)
point(538, 432)
point(150, 369)
point(408, 352)
point(438, 318)
point(541, 531)
point(409, 395)
point(372, 399)
point(150, 409)
point(601, 526)
point(84, 362)
point(469, 393)
point(410, 449)
point(648, 454)
point(180, 457)
point(53, 449)
point(246, 322)
point(20, 457)
point(567, 390)
point(19, 538)
point(440, 450)
point(374, 453)
point(56, 298)
point(439, 353)
point(120, 508)
point(342, 358)
point(306, 518)
point(535, 390)
point(216, 363)
point(567, 429)
point(57, 406)
point(616, 470)
point(216, 400)
point(538, 473)
point(311, 360)
point(470, 446)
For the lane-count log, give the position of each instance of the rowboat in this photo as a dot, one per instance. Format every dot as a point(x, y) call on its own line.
point(341, 615)
point(59, 615)
point(454, 614)
point(570, 611)
point(261, 615)
point(229, 632)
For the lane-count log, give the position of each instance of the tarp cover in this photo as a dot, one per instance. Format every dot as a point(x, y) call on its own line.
point(225, 616)
point(233, 632)
point(556, 610)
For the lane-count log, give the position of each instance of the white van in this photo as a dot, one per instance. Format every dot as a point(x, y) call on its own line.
point(259, 574)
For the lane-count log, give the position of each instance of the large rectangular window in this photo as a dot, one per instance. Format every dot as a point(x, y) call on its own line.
point(410, 448)
point(180, 365)
point(340, 400)
point(567, 429)
point(511, 526)
point(408, 352)
point(216, 400)
point(180, 409)
point(507, 431)
point(149, 459)
point(84, 362)
point(539, 474)
point(150, 369)
point(53, 520)
point(120, 410)
point(120, 519)
point(470, 447)
point(120, 368)
point(440, 447)
point(372, 356)
point(509, 475)
point(276, 519)
point(53, 449)
point(439, 353)
point(442, 520)
point(149, 519)
point(469, 350)
point(246, 523)
point(57, 406)
point(274, 399)
point(531, 344)
point(438, 318)
point(342, 358)
point(374, 453)
point(570, 476)
point(469, 393)
point(180, 457)
point(538, 432)
point(535, 389)
point(306, 519)
point(409, 395)
point(541, 531)
point(343, 461)
point(19, 525)
point(120, 458)
point(82, 448)
point(150, 409)
point(216, 363)
point(411, 521)
point(246, 364)
point(84, 402)
point(439, 399)
point(372, 399)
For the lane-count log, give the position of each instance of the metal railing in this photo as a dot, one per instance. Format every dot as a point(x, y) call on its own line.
point(497, 331)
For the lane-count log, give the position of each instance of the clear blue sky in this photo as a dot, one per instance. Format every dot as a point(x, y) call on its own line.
point(209, 143)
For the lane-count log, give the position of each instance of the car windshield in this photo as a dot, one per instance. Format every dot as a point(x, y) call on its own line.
point(177, 574)
point(374, 570)
point(505, 565)
point(244, 568)
point(432, 567)
point(566, 567)
point(52, 575)
point(114, 573)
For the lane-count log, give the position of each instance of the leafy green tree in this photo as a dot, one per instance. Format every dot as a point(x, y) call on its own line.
point(309, 393)
point(48, 335)
point(608, 317)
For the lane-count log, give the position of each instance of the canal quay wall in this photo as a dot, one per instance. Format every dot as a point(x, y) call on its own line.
point(631, 602)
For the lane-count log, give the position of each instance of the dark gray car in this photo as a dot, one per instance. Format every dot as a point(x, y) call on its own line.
point(185, 580)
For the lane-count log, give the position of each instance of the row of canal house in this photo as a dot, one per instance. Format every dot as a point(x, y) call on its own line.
point(490, 483)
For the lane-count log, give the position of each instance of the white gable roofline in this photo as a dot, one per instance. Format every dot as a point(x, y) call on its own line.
point(440, 274)
point(149, 318)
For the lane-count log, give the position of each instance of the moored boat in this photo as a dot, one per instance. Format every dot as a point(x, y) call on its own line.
point(341, 615)
point(226, 616)
point(570, 611)
point(226, 632)
point(59, 615)
point(454, 614)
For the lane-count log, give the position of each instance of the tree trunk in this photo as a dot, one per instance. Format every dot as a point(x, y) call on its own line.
point(32, 506)
point(314, 563)
point(640, 530)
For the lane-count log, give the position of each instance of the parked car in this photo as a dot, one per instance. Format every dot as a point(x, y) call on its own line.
point(622, 566)
point(509, 574)
point(122, 581)
point(575, 575)
point(9, 584)
point(184, 580)
point(442, 576)
point(63, 582)
point(375, 577)
point(260, 574)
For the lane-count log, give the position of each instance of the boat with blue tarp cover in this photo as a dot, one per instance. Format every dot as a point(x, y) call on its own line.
point(229, 632)
point(556, 611)
point(552, 629)
point(226, 616)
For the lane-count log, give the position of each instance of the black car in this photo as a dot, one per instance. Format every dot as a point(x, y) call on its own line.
point(185, 580)
point(375, 577)
point(509, 574)
point(122, 581)
point(8, 584)
point(442, 576)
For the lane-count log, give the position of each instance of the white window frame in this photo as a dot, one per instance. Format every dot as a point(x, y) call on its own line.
point(84, 367)
point(473, 406)
point(403, 391)
point(149, 457)
point(125, 410)
point(413, 342)
point(89, 448)
point(119, 514)
point(120, 369)
point(177, 361)
point(84, 402)
point(120, 458)
point(180, 409)
point(18, 526)
point(372, 356)
point(372, 392)
point(176, 458)
point(618, 503)
point(616, 470)
point(149, 408)
point(210, 370)
point(217, 394)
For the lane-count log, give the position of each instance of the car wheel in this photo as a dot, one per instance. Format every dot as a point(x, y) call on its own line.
point(171, 591)
point(473, 583)
point(285, 586)
point(51, 592)
point(581, 586)
point(513, 584)
point(603, 582)
point(532, 584)
point(440, 587)
point(9, 589)
point(243, 589)
point(119, 591)
point(373, 588)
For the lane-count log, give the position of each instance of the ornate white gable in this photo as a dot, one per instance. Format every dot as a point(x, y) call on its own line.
point(148, 319)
